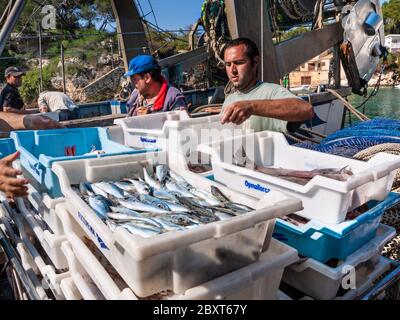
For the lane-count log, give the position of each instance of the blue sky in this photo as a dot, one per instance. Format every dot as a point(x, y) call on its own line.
point(173, 14)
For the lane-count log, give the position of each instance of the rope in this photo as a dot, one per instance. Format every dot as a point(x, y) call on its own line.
point(366, 154)
point(353, 110)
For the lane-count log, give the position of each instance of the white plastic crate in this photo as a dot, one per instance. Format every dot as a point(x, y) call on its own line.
point(50, 242)
point(323, 282)
point(218, 247)
point(175, 132)
point(148, 131)
point(70, 290)
point(32, 262)
point(325, 199)
point(380, 268)
point(258, 281)
point(82, 260)
point(44, 205)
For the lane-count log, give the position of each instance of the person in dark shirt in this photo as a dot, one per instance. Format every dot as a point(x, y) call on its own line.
point(10, 99)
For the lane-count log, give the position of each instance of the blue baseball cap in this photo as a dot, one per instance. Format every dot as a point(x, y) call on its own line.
point(141, 63)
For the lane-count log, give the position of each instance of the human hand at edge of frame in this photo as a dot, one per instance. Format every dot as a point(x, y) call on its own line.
point(39, 122)
point(9, 183)
point(237, 112)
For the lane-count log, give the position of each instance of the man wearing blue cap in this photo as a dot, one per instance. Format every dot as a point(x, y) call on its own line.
point(152, 91)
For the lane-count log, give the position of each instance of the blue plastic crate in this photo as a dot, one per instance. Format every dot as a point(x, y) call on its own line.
point(322, 242)
point(40, 149)
point(6, 147)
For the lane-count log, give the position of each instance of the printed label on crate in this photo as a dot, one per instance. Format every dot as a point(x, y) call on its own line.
point(147, 140)
point(92, 231)
point(250, 185)
point(35, 168)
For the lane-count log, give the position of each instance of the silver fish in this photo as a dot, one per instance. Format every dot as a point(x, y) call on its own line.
point(217, 193)
point(172, 186)
point(178, 219)
point(134, 204)
point(100, 205)
point(141, 186)
point(197, 210)
point(124, 210)
point(143, 231)
point(126, 186)
point(154, 201)
point(161, 173)
point(205, 195)
point(110, 188)
point(97, 190)
point(165, 195)
point(120, 216)
point(85, 189)
point(167, 224)
point(175, 207)
point(150, 181)
point(112, 225)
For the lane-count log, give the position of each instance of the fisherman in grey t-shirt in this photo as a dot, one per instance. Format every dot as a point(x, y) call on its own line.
point(260, 106)
point(50, 101)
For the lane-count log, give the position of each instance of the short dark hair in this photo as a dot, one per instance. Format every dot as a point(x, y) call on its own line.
point(155, 74)
point(251, 48)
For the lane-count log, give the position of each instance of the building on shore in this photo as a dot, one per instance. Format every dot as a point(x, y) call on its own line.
point(392, 42)
point(314, 72)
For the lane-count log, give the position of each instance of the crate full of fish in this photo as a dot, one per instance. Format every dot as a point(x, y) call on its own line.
point(167, 231)
point(40, 149)
point(325, 281)
point(322, 242)
point(329, 186)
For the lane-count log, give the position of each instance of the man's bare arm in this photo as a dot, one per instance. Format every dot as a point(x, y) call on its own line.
point(12, 121)
point(290, 109)
point(14, 110)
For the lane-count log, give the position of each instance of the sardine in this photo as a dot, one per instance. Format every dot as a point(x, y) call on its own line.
point(126, 186)
point(120, 216)
point(100, 205)
point(150, 181)
point(182, 220)
point(126, 211)
point(216, 192)
point(168, 225)
point(154, 201)
point(180, 181)
point(197, 210)
point(143, 231)
point(165, 195)
point(205, 195)
point(112, 225)
point(141, 186)
point(132, 203)
point(85, 190)
point(175, 188)
point(97, 190)
point(161, 173)
point(111, 189)
point(175, 207)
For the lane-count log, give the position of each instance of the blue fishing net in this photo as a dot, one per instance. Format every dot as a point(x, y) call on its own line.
point(372, 128)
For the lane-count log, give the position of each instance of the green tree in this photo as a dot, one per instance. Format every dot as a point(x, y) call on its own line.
point(391, 16)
